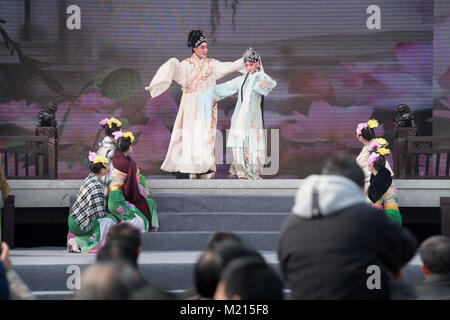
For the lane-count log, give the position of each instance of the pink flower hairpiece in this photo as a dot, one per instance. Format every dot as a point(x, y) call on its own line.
point(373, 156)
point(92, 156)
point(360, 127)
point(104, 121)
point(117, 134)
point(374, 145)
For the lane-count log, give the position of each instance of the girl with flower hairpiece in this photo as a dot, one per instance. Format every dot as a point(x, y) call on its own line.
point(107, 148)
point(129, 197)
point(88, 221)
point(381, 189)
point(365, 133)
point(195, 75)
point(246, 136)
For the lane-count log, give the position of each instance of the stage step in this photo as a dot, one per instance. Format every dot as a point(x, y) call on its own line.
point(196, 240)
point(223, 203)
point(221, 221)
point(50, 271)
point(47, 272)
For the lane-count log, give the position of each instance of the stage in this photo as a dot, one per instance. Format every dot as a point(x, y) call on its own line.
point(31, 193)
point(189, 211)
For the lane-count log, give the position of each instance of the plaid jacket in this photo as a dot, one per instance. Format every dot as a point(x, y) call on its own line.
point(90, 203)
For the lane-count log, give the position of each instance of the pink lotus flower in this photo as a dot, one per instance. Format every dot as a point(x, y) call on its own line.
point(360, 127)
point(326, 123)
point(117, 134)
point(92, 156)
point(104, 121)
point(373, 156)
point(120, 210)
point(374, 145)
point(131, 205)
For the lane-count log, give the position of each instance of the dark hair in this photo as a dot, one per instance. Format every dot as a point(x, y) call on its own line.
point(123, 144)
point(193, 37)
point(118, 280)
point(218, 237)
point(109, 131)
point(96, 167)
point(125, 232)
point(435, 254)
point(342, 164)
point(379, 162)
point(367, 133)
point(212, 262)
point(207, 274)
point(252, 279)
point(117, 251)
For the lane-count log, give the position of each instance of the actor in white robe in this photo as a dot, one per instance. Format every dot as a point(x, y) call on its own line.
point(195, 75)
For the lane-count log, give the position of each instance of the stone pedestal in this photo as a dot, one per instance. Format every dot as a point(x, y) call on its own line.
point(400, 149)
point(52, 133)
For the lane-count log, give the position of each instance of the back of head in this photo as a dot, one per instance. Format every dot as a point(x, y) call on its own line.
point(251, 279)
point(123, 144)
point(219, 237)
point(111, 125)
point(125, 232)
point(435, 254)
point(230, 250)
point(342, 164)
point(207, 274)
point(117, 251)
point(107, 281)
point(212, 263)
point(379, 163)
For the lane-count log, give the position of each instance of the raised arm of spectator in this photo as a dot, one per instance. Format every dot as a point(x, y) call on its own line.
point(17, 288)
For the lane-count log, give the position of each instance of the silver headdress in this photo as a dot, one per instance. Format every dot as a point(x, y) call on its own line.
point(251, 55)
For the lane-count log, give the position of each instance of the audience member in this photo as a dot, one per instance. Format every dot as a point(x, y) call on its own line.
point(327, 246)
point(4, 287)
point(435, 254)
point(18, 290)
point(212, 262)
point(128, 233)
point(219, 237)
point(249, 279)
point(123, 243)
point(107, 281)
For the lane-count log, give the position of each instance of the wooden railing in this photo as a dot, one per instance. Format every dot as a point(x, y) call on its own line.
point(422, 157)
point(27, 157)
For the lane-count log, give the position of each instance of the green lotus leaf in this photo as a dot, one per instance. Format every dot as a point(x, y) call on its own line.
point(120, 84)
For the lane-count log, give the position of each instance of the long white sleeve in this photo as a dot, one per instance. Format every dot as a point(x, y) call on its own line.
point(168, 72)
point(222, 69)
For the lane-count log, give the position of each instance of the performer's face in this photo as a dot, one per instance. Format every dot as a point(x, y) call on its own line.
point(103, 172)
point(251, 66)
point(201, 50)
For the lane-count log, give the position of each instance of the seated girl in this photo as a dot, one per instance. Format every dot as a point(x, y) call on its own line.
point(88, 221)
point(108, 147)
point(129, 197)
point(365, 133)
point(381, 190)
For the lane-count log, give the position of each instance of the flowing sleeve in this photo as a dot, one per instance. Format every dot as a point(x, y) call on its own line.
point(264, 84)
point(222, 69)
point(212, 95)
point(168, 72)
